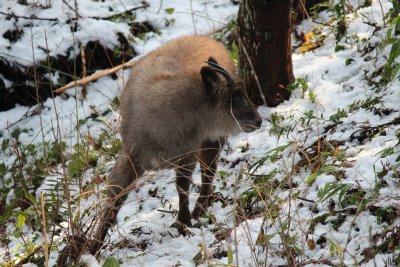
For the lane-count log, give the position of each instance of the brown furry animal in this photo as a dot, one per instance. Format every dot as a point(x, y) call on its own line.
point(178, 103)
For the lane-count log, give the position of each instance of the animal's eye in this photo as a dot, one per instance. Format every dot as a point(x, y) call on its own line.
point(236, 100)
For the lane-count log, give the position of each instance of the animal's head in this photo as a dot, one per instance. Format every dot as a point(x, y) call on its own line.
point(233, 108)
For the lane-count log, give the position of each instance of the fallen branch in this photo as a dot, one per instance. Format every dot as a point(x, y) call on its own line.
point(95, 76)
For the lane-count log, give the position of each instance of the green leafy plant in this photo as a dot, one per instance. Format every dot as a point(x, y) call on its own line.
point(367, 103)
point(81, 159)
point(299, 83)
point(392, 66)
point(169, 10)
point(307, 118)
point(349, 61)
point(324, 170)
point(281, 125)
point(111, 262)
point(341, 22)
point(335, 249)
point(312, 96)
point(337, 117)
point(331, 189)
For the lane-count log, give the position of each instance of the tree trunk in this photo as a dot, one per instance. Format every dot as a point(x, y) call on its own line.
point(265, 55)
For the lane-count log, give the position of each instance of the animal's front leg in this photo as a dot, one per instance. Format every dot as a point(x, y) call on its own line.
point(183, 181)
point(208, 163)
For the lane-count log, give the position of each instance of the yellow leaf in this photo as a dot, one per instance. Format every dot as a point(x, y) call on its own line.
point(311, 244)
point(309, 42)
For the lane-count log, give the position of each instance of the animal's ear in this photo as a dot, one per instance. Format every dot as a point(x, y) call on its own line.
point(210, 80)
point(212, 60)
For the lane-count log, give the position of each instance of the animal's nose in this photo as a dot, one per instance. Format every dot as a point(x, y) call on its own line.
point(258, 122)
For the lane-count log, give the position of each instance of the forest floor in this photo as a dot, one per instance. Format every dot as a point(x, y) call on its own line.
point(317, 185)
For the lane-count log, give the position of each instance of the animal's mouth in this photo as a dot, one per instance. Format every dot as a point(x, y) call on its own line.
point(248, 128)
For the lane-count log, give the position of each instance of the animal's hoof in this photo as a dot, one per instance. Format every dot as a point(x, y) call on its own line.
point(182, 228)
point(94, 247)
point(198, 211)
point(76, 246)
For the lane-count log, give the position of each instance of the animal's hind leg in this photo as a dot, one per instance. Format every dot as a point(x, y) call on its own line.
point(122, 176)
point(208, 163)
point(183, 180)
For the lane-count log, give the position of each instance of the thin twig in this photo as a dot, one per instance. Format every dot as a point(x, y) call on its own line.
point(305, 10)
point(235, 213)
point(305, 199)
point(75, 10)
point(144, 6)
point(26, 17)
point(84, 70)
point(193, 21)
point(383, 13)
point(46, 244)
point(252, 70)
point(167, 211)
point(37, 93)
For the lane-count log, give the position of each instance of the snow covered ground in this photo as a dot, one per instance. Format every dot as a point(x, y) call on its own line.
point(299, 217)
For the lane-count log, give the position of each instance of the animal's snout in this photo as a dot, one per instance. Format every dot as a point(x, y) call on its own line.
point(251, 122)
point(258, 122)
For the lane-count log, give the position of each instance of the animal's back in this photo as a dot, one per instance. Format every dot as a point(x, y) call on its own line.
point(164, 95)
point(188, 54)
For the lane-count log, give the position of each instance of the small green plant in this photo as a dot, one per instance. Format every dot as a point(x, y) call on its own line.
point(333, 188)
point(367, 103)
point(335, 249)
point(306, 119)
point(349, 61)
point(263, 186)
point(324, 158)
point(272, 156)
point(338, 116)
point(315, 9)
point(169, 10)
point(122, 17)
point(278, 126)
point(168, 20)
point(385, 214)
point(111, 262)
point(299, 83)
point(312, 96)
point(235, 53)
point(392, 67)
point(339, 47)
point(81, 160)
point(341, 11)
point(319, 219)
point(323, 170)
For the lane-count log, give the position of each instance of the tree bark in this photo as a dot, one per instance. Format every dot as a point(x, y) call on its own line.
point(265, 55)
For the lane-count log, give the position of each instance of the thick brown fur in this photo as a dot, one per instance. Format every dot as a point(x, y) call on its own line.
point(175, 111)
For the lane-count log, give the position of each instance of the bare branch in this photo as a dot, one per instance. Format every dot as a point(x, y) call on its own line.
point(26, 17)
point(95, 76)
point(144, 6)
